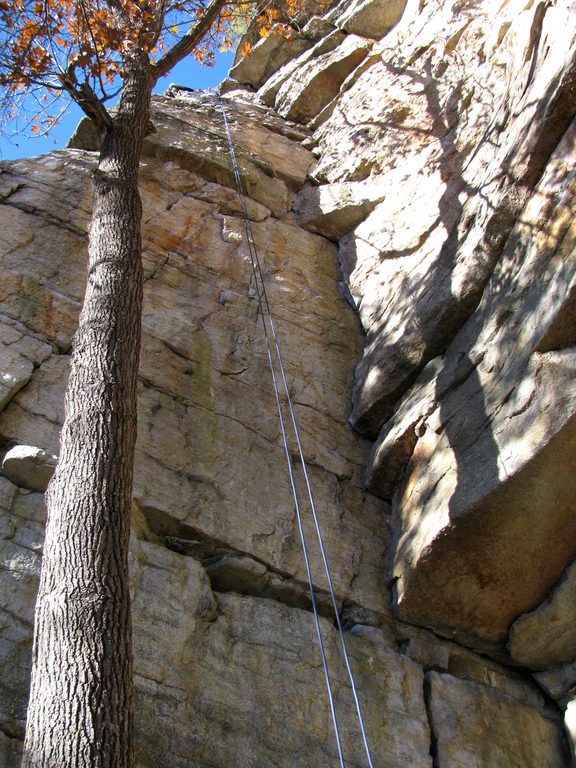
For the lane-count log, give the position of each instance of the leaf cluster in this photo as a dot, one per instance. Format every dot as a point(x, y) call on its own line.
point(80, 48)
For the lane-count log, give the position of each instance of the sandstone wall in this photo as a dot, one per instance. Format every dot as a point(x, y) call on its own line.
point(410, 179)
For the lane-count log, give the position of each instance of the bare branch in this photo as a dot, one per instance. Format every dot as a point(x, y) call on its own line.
point(86, 99)
point(94, 45)
point(189, 41)
point(156, 31)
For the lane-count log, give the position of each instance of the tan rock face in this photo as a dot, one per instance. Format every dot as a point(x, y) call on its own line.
point(369, 18)
point(267, 57)
point(546, 637)
point(316, 82)
point(465, 264)
point(496, 440)
point(463, 279)
point(467, 736)
point(205, 384)
point(208, 665)
point(238, 664)
point(422, 259)
point(269, 91)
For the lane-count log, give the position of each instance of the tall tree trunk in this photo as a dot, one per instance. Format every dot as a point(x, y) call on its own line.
point(80, 711)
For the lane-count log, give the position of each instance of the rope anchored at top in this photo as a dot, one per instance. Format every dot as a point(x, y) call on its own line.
point(279, 377)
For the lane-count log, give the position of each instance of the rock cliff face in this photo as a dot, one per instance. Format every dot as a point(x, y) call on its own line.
point(409, 171)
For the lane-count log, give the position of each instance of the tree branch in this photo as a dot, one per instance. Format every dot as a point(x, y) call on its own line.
point(116, 7)
point(189, 41)
point(86, 99)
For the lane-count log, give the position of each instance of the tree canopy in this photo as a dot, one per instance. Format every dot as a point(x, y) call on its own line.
point(51, 49)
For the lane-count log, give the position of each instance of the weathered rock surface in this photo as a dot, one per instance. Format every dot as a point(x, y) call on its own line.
point(495, 438)
point(22, 517)
point(204, 366)
point(269, 91)
point(29, 467)
point(467, 736)
point(415, 120)
point(466, 262)
point(546, 637)
point(316, 82)
point(333, 210)
point(267, 57)
point(369, 18)
point(20, 354)
point(238, 658)
point(207, 664)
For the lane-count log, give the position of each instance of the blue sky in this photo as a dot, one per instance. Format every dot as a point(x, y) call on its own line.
point(188, 72)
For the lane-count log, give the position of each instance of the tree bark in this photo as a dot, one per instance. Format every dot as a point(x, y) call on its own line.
point(80, 711)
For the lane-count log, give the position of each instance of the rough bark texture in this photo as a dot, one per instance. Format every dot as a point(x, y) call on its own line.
point(80, 711)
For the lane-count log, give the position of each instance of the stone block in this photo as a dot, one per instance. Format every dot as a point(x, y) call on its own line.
point(29, 467)
point(316, 82)
point(369, 18)
point(475, 727)
point(546, 637)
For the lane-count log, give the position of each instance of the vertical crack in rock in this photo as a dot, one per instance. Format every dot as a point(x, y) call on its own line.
point(427, 693)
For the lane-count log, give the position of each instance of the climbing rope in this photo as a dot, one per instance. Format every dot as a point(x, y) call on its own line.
point(272, 346)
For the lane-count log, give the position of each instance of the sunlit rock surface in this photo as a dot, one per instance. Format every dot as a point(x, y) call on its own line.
point(414, 217)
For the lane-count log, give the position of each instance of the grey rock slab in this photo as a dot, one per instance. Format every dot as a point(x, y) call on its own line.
point(85, 136)
point(204, 380)
point(207, 154)
point(256, 662)
point(442, 655)
point(243, 575)
point(207, 664)
point(229, 85)
point(498, 441)
point(408, 304)
point(15, 369)
point(19, 572)
point(297, 19)
point(333, 210)
point(29, 467)
point(191, 132)
point(559, 683)
point(10, 750)
point(36, 413)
